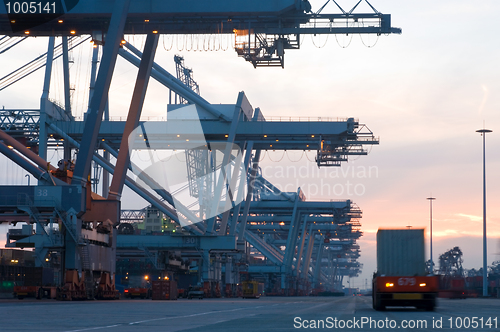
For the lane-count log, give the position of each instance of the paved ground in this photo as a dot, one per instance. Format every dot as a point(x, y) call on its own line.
point(264, 314)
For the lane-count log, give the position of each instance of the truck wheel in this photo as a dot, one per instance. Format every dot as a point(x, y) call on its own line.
point(430, 307)
point(377, 304)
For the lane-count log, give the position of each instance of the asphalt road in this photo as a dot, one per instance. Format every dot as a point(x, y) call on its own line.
point(264, 314)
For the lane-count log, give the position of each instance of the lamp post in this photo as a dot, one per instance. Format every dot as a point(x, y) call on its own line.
point(485, 262)
point(432, 261)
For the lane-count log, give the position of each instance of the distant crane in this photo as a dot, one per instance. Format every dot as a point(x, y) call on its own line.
point(185, 75)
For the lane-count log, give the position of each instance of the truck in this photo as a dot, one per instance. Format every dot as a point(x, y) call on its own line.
point(195, 291)
point(252, 289)
point(37, 282)
point(138, 287)
point(401, 278)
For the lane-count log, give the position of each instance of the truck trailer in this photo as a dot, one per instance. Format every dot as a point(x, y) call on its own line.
point(401, 279)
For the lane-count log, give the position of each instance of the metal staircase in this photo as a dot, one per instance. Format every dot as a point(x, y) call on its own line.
point(86, 270)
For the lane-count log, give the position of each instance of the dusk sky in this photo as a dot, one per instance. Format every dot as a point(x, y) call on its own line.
point(423, 93)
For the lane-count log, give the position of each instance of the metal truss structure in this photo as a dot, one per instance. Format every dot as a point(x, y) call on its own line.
point(226, 234)
point(263, 30)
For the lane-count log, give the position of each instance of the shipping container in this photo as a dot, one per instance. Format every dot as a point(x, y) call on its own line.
point(400, 252)
point(164, 290)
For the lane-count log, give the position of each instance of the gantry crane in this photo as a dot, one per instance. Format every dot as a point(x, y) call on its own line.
point(88, 220)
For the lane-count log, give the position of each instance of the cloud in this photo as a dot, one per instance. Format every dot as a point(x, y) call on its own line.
point(470, 217)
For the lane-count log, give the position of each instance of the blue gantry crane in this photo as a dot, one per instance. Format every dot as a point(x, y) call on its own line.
point(226, 230)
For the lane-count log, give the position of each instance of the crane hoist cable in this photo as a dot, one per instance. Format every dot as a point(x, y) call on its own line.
point(295, 161)
point(32, 66)
point(15, 40)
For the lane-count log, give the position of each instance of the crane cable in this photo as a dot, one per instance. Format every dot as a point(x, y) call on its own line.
point(32, 66)
point(8, 47)
point(295, 161)
point(276, 161)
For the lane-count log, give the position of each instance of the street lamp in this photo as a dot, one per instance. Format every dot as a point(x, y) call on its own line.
point(432, 261)
point(485, 263)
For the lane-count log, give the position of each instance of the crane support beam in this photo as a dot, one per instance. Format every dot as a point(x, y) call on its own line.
point(100, 98)
point(134, 115)
point(267, 135)
point(181, 17)
point(42, 138)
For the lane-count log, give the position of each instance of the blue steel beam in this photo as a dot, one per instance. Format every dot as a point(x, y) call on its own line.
point(271, 220)
point(250, 176)
point(42, 138)
point(169, 16)
point(317, 267)
point(266, 135)
point(248, 199)
point(247, 169)
point(292, 235)
point(171, 82)
point(67, 88)
point(226, 243)
point(301, 248)
point(266, 249)
point(99, 100)
point(223, 177)
point(307, 257)
point(285, 207)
